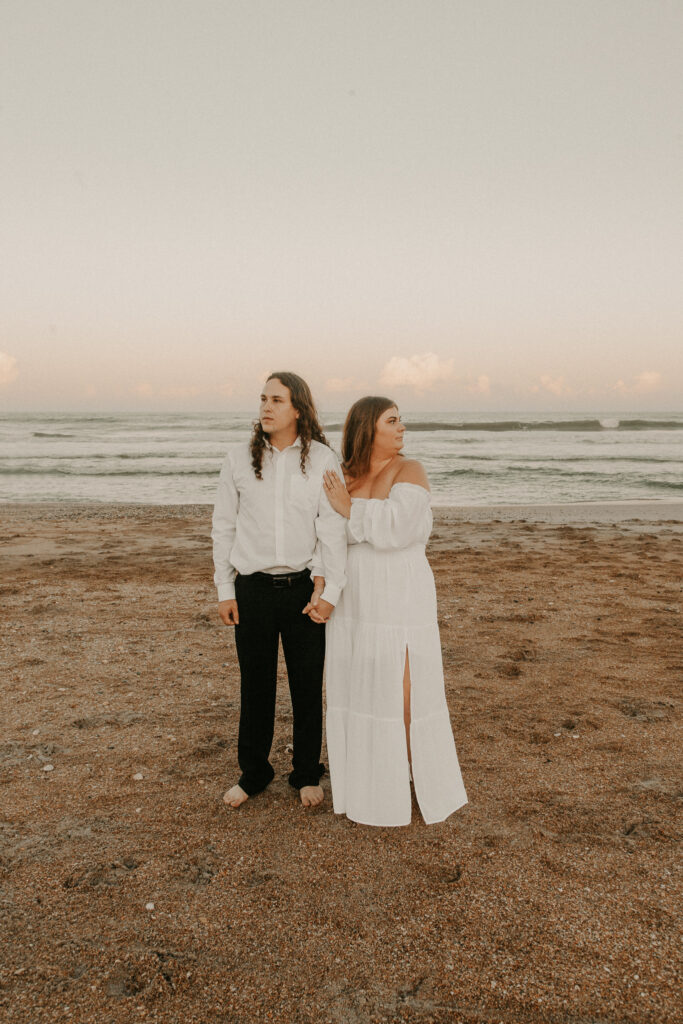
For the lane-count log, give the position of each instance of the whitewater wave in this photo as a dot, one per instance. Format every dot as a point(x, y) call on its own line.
point(81, 471)
point(553, 472)
point(506, 426)
point(654, 459)
point(114, 457)
point(673, 485)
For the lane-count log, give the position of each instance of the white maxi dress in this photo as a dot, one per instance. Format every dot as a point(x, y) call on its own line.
point(387, 610)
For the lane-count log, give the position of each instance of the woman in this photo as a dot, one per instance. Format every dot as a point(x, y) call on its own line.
point(386, 706)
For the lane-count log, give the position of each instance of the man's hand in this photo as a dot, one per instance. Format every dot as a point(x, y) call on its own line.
point(318, 587)
point(228, 612)
point(321, 611)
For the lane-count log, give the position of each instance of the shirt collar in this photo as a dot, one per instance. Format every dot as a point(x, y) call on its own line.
point(295, 444)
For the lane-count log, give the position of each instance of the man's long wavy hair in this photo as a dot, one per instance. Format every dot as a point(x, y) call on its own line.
point(359, 433)
point(308, 425)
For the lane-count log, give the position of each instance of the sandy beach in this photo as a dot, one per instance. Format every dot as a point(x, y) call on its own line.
point(131, 893)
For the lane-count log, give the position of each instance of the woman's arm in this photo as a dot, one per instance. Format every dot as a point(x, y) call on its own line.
point(337, 495)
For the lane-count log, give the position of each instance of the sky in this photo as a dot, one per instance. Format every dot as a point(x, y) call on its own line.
point(466, 205)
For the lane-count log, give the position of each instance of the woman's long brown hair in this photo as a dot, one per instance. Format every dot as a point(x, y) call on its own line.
point(359, 433)
point(308, 424)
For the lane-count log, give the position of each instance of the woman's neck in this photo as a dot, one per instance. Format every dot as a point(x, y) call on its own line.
point(379, 460)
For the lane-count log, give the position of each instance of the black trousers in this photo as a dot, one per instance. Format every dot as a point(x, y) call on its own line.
point(267, 612)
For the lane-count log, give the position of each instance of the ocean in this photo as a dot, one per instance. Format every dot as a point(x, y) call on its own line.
point(474, 459)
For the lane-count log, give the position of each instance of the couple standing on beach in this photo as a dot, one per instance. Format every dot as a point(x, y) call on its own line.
point(298, 544)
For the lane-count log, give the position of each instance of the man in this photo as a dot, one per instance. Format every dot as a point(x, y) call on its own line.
point(280, 555)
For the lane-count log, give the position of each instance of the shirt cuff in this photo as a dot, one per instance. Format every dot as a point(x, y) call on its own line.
point(226, 592)
point(331, 593)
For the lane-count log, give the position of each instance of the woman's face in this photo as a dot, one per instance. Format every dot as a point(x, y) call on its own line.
point(389, 432)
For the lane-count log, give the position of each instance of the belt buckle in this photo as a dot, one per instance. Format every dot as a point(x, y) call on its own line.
point(281, 581)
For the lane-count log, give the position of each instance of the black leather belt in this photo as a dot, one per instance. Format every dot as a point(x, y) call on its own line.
point(284, 579)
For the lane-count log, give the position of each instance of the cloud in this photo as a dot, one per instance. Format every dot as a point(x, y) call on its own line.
point(552, 385)
point(338, 384)
point(9, 369)
point(419, 372)
point(649, 380)
point(642, 383)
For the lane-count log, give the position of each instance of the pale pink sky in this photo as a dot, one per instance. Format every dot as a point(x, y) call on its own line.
point(469, 205)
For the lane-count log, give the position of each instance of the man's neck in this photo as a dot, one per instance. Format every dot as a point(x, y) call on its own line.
point(282, 440)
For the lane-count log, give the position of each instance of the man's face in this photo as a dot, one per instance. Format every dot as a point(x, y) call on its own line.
point(276, 412)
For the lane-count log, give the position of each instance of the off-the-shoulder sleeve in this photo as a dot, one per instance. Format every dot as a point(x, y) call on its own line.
point(393, 522)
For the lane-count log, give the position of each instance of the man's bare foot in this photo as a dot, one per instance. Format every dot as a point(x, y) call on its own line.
point(235, 796)
point(311, 796)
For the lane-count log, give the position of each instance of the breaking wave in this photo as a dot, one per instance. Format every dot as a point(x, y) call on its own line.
point(501, 426)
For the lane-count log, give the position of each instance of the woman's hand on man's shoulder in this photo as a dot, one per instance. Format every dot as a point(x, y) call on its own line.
point(412, 472)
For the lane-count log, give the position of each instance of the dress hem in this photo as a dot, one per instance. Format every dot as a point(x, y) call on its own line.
point(374, 824)
point(403, 824)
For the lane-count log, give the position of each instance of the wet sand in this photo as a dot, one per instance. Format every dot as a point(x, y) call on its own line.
point(130, 893)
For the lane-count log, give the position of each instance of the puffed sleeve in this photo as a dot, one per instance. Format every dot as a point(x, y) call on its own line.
point(402, 519)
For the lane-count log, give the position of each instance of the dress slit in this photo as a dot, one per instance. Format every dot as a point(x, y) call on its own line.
point(409, 746)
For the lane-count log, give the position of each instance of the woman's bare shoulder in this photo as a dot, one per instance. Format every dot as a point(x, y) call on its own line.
point(412, 472)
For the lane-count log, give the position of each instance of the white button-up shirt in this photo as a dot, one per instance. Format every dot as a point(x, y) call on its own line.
point(283, 522)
